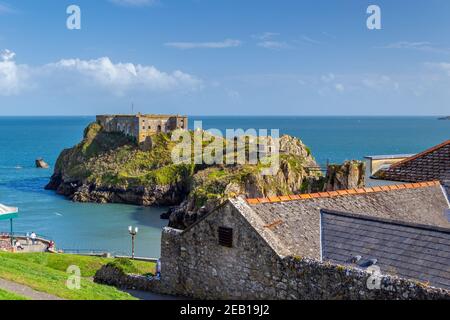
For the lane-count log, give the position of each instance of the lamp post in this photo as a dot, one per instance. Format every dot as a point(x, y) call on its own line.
point(133, 232)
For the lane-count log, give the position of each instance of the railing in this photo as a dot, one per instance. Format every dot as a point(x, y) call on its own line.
point(84, 252)
point(316, 168)
point(105, 253)
point(323, 167)
point(87, 252)
point(139, 258)
point(23, 235)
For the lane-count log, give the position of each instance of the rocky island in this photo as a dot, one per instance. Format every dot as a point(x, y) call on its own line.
point(110, 167)
point(445, 118)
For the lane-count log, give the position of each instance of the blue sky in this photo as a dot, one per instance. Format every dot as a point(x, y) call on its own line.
point(234, 57)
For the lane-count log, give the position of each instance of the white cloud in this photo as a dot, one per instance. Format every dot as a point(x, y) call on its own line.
point(273, 45)
point(227, 43)
point(340, 87)
point(76, 75)
point(267, 41)
point(310, 40)
point(266, 35)
point(328, 78)
point(441, 66)
point(121, 77)
point(134, 3)
point(13, 77)
point(233, 94)
point(7, 55)
point(380, 82)
point(418, 46)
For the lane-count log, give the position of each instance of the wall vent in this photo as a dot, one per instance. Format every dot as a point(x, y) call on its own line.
point(225, 237)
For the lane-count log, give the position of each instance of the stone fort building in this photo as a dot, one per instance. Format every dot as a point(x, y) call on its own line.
point(141, 126)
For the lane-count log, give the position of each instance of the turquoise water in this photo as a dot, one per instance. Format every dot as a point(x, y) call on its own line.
point(104, 227)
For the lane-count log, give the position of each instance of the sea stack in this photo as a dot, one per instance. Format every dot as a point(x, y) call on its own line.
point(41, 164)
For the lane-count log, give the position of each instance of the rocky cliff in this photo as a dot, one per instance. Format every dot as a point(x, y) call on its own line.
point(349, 175)
point(110, 167)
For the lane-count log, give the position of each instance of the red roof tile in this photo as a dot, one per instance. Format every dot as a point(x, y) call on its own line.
point(343, 193)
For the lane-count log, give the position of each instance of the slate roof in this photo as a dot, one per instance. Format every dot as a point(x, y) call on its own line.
point(432, 164)
point(406, 250)
point(292, 223)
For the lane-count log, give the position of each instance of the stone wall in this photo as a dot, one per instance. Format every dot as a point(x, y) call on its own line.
point(127, 124)
point(142, 126)
point(196, 266)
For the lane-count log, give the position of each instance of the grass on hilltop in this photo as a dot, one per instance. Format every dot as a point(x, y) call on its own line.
point(5, 295)
point(47, 273)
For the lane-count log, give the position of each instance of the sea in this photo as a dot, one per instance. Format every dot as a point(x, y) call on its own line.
point(78, 227)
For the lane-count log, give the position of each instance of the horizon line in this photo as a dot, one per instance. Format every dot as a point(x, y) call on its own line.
point(237, 115)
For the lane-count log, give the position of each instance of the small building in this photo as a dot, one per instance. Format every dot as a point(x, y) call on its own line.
point(142, 126)
point(378, 162)
point(431, 164)
point(298, 247)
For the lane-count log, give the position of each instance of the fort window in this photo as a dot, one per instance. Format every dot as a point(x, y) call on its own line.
point(225, 237)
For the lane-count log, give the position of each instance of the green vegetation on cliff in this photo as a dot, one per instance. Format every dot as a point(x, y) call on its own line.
point(107, 162)
point(112, 159)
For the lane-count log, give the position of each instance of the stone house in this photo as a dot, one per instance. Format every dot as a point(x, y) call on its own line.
point(378, 162)
point(310, 246)
point(142, 126)
point(282, 247)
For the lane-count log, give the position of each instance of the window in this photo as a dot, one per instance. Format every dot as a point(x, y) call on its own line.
point(225, 237)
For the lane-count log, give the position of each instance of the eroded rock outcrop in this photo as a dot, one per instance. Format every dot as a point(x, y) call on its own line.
point(41, 164)
point(109, 167)
point(349, 175)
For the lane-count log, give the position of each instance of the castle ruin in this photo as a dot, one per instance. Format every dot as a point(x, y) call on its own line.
point(142, 126)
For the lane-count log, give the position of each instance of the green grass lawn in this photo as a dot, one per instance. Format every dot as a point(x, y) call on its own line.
point(46, 272)
point(5, 295)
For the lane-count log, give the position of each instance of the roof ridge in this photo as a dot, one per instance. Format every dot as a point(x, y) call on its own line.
point(348, 192)
point(421, 154)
